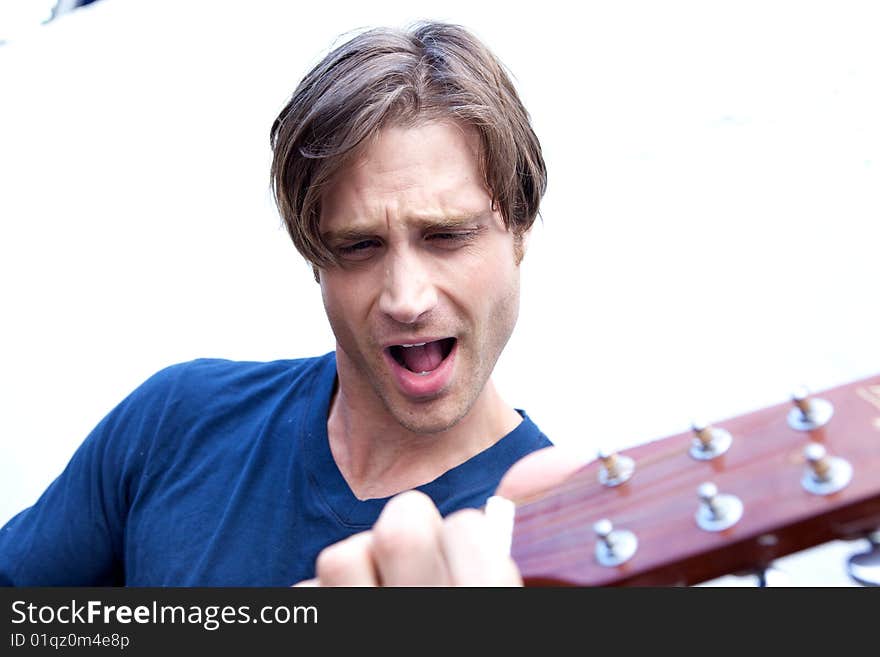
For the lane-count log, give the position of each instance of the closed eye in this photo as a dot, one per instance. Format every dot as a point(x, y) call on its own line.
point(450, 239)
point(358, 250)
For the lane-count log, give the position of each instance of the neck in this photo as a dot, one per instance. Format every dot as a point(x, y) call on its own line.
point(378, 457)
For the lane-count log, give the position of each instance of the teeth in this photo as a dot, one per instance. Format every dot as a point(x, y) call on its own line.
point(423, 373)
point(420, 344)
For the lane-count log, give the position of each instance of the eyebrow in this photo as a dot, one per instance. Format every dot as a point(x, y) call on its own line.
point(425, 223)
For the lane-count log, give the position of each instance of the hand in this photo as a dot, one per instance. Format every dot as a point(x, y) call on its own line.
point(412, 545)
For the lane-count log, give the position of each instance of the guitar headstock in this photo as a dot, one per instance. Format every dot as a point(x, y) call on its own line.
point(775, 495)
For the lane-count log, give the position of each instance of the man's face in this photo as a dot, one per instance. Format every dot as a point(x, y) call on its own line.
point(427, 262)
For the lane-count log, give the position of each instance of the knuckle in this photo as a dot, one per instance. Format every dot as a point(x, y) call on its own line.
point(465, 520)
point(337, 561)
point(467, 526)
point(409, 523)
point(478, 556)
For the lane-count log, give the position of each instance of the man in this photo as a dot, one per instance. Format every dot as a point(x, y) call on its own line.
point(407, 173)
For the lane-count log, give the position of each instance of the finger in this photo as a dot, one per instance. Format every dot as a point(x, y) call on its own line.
point(473, 553)
point(407, 542)
point(540, 471)
point(308, 582)
point(347, 563)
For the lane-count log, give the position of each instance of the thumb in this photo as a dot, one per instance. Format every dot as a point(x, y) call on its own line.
point(540, 471)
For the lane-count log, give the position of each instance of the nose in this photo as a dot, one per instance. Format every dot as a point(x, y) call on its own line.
point(408, 291)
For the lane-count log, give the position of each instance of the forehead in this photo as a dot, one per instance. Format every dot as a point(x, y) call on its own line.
point(422, 171)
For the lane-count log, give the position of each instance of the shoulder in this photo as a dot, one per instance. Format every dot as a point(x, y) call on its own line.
point(531, 434)
point(208, 377)
point(212, 387)
point(186, 406)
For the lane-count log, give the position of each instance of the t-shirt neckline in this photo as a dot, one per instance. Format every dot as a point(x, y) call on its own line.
point(330, 484)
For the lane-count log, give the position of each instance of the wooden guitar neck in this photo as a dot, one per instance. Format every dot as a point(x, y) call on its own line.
point(787, 477)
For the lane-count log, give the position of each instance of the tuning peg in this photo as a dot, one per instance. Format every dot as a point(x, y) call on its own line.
point(709, 442)
point(809, 413)
point(824, 474)
point(615, 468)
point(614, 546)
point(717, 512)
point(864, 567)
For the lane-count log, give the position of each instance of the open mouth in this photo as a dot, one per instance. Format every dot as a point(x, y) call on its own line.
point(424, 357)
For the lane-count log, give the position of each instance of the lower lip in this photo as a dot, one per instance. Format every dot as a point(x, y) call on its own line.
point(423, 386)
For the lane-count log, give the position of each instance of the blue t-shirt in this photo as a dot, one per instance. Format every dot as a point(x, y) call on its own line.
point(215, 473)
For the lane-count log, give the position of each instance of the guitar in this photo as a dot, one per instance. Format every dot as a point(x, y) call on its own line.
point(721, 499)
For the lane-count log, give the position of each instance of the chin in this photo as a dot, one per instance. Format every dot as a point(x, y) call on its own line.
point(427, 420)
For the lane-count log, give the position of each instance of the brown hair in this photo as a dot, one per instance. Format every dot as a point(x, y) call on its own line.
point(385, 76)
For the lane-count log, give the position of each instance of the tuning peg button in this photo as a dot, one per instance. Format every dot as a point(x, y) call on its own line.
point(809, 413)
point(613, 546)
point(709, 442)
point(824, 474)
point(614, 468)
point(717, 512)
point(864, 567)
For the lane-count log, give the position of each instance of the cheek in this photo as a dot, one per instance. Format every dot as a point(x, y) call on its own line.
point(505, 285)
point(347, 301)
point(506, 302)
point(337, 299)
point(491, 291)
point(497, 269)
point(328, 297)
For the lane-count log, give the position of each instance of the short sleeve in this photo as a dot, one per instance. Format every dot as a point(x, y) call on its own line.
point(74, 534)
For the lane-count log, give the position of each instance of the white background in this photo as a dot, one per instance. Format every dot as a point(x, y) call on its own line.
point(709, 236)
